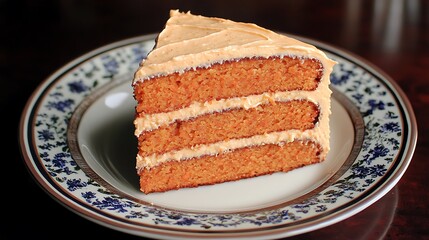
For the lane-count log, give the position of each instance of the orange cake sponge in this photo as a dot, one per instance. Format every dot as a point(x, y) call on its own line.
point(219, 101)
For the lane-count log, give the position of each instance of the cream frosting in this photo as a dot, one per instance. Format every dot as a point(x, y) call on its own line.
point(189, 41)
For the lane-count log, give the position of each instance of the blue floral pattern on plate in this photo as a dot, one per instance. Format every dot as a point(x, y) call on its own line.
point(381, 152)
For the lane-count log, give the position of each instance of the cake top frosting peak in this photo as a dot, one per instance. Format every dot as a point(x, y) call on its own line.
point(188, 41)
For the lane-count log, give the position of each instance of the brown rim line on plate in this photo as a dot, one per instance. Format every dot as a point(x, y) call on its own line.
point(77, 155)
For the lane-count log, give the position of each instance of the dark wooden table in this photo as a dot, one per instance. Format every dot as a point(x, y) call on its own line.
point(38, 37)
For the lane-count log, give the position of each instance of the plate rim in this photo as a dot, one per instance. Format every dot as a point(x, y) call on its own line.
point(376, 193)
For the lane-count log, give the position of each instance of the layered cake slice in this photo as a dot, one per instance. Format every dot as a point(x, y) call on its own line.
point(220, 101)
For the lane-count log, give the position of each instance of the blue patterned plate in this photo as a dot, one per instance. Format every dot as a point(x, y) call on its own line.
point(77, 139)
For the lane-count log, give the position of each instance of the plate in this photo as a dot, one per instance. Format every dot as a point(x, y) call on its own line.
point(76, 136)
point(100, 138)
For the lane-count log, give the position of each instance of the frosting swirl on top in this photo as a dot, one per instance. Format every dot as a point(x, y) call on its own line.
point(190, 41)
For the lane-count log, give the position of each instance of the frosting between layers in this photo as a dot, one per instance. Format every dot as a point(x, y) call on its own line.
point(320, 133)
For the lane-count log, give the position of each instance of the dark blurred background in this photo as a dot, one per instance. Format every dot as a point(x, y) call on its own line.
point(39, 37)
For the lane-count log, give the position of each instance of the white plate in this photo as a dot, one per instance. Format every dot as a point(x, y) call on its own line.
point(77, 139)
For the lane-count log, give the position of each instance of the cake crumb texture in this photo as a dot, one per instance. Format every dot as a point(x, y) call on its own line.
point(239, 164)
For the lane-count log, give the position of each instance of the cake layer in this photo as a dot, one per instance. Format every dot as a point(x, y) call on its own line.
point(230, 166)
point(234, 123)
point(235, 78)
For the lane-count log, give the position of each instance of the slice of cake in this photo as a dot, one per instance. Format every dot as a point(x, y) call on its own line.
point(219, 101)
